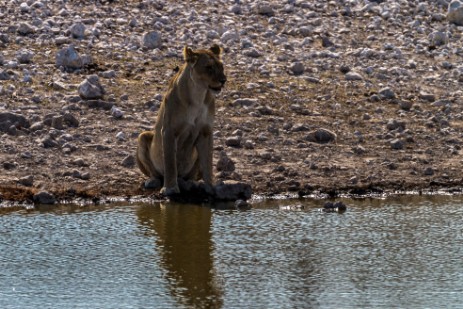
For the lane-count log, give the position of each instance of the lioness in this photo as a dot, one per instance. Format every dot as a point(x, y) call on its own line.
point(181, 143)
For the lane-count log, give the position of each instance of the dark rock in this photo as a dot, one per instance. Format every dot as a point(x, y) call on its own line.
point(225, 163)
point(397, 144)
point(406, 105)
point(70, 120)
point(57, 122)
point(4, 75)
point(44, 198)
point(8, 119)
point(48, 119)
point(232, 190)
point(9, 165)
point(297, 68)
point(245, 102)
point(128, 161)
point(85, 176)
point(27, 181)
point(326, 41)
point(394, 124)
point(344, 69)
point(99, 147)
point(68, 148)
point(429, 171)
point(48, 142)
point(242, 205)
point(233, 141)
point(321, 136)
point(74, 174)
point(334, 207)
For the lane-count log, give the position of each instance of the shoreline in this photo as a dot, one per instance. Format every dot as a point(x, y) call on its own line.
point(14, 201)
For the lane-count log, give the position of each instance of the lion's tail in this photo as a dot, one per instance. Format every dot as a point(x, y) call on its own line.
point(144, 162)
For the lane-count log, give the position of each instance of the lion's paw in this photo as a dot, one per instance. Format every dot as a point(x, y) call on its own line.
point(170, 191)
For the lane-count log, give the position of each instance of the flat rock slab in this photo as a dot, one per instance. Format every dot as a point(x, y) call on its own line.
point(226, 191)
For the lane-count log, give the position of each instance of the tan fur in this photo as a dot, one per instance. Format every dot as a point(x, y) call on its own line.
point(181, 143)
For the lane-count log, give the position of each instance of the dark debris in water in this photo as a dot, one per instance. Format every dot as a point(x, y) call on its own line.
point(339, 207)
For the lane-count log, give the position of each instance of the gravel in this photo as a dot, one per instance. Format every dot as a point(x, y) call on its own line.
point(303, 76)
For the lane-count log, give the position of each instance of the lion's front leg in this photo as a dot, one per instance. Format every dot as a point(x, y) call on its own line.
point(204, 149)
point(169, 143)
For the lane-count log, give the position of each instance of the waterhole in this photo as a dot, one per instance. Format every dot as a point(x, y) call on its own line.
point(381, 253)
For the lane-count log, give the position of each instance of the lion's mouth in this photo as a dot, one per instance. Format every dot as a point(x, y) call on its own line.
point(215, 89)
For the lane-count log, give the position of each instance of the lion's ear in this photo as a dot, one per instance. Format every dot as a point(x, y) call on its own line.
point(189, 55)
point(216, 49)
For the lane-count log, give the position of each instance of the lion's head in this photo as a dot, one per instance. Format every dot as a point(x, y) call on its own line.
point(207, 68)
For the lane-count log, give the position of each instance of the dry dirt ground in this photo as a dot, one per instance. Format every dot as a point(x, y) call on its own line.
point(405, 143)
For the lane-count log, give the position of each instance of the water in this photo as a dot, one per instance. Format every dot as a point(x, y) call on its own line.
point(404, 252)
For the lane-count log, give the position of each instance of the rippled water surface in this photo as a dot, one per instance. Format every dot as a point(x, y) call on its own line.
point(400, 252)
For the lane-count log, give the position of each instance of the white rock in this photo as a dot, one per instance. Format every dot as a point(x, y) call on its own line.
point(353, 76)
point(387, 93)
point(252, 52)
point(68, 58)
point(108, 74)
point(77, 30)
point(264, 8)
point(24, 56)
point(27, 78)
point(24, 8)
point(25, 29)
point(212, 34)
point(120, 136)
point(116, 112)
point(455, 12)
point(152, 40)
point(91, 88)
point(438, 38)
point(230, 35)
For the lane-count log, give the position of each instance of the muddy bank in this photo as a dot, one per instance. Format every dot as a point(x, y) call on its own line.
point(80, 80)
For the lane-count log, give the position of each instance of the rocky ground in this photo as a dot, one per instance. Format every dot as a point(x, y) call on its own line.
point(79, 80)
